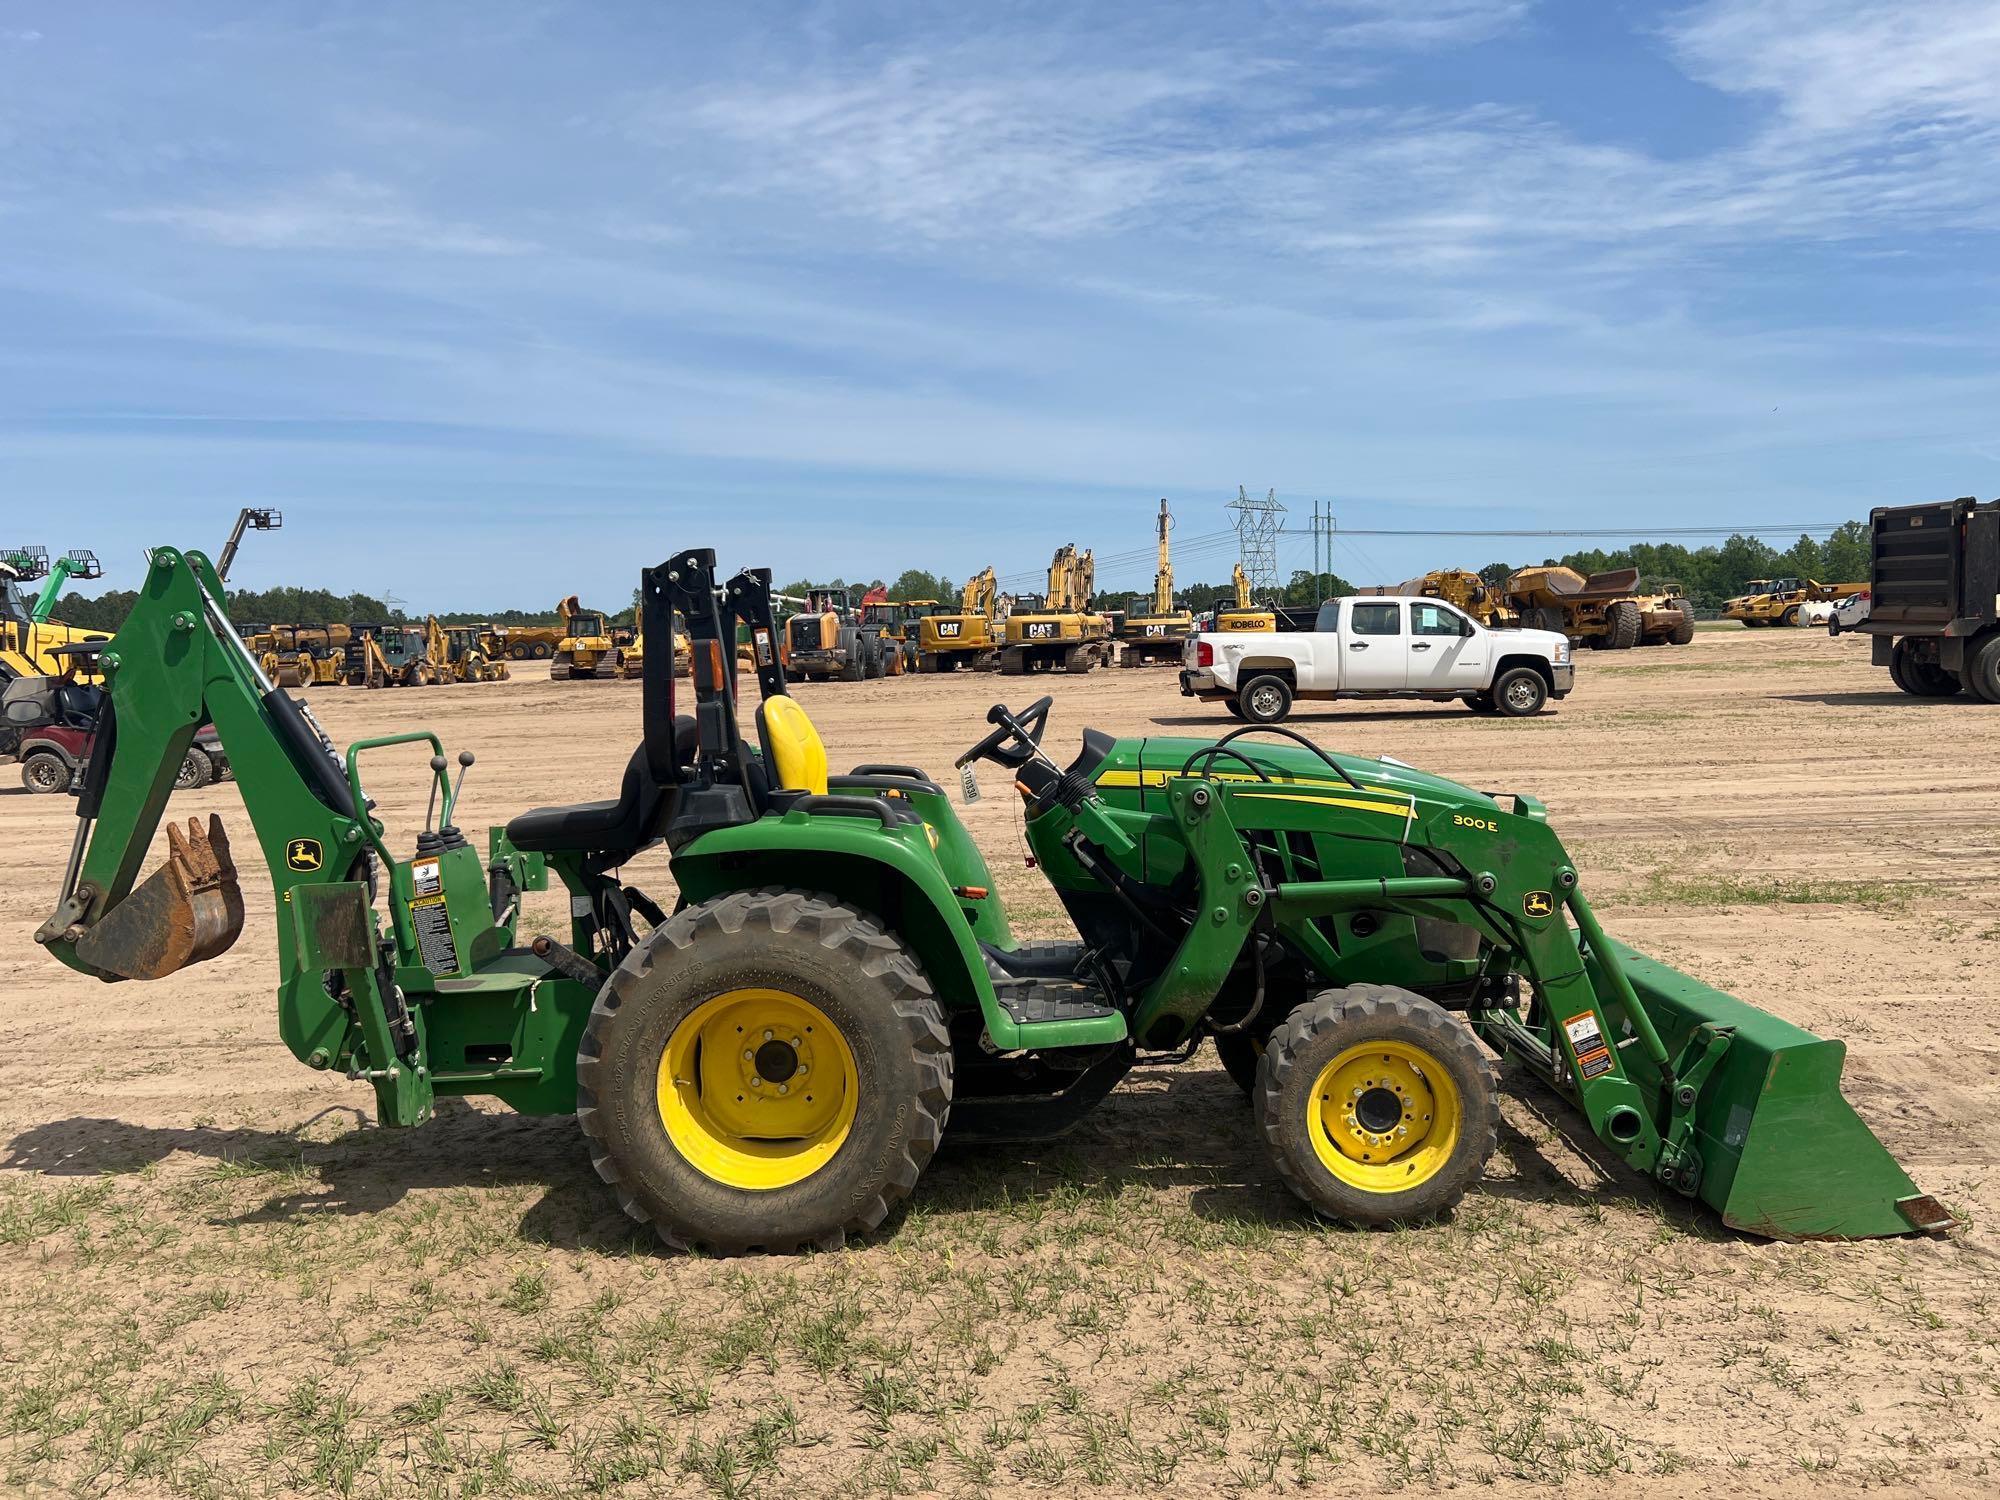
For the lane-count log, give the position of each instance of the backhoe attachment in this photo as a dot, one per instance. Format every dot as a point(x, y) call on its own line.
point(186, 912)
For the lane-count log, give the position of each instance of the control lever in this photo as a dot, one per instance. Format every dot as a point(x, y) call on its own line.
point(465, 759)
point(430, 803)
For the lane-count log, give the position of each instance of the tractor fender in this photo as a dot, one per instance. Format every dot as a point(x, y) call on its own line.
point(888, 872)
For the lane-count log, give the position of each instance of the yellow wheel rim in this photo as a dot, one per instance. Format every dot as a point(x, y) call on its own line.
point(1384, 1116)
point(757, 1089)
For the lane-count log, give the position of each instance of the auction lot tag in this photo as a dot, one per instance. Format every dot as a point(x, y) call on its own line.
point(968, 784)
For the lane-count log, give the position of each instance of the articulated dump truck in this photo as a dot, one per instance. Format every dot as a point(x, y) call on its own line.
point(768, 1057)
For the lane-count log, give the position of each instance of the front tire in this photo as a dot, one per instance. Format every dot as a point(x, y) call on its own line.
point(1520, 693)
point(45, 771)
point(1265, 700)
point(735, 1153)
point(1378, 1107)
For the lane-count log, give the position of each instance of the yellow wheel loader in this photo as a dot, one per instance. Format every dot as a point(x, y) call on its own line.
point(1060, 631)
point(825, 640)
point(1154, 630)
point(970, 637)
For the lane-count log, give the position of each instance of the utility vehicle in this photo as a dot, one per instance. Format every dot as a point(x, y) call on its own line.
point(769, 1057)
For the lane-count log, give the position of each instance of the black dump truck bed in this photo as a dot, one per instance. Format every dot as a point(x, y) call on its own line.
point(1934, 569)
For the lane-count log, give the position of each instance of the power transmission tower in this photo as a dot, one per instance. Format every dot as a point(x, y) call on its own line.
point(1257, 537)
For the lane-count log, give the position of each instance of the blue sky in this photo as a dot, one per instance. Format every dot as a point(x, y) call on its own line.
point(498, 300)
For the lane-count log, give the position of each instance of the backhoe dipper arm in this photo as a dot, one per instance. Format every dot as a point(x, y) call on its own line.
point(176, 662)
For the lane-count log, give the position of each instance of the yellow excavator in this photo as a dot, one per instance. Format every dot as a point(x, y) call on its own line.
point(970, 637)
point(586, 648)
point(1154, 630)
point(1059, 630)
point(1244, 615)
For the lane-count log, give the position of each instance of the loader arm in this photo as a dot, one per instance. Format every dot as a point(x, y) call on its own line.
point(1319, 856)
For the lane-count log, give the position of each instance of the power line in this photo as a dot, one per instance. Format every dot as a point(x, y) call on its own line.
point(1618, 531)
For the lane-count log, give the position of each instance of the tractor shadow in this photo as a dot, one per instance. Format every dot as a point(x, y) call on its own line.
point(362, 1170)
point(1894, 696)
point(1165, 1132)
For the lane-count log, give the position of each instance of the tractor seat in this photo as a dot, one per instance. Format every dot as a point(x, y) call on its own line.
point(626, 824)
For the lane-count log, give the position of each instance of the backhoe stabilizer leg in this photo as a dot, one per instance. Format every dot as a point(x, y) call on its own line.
point(186, 912)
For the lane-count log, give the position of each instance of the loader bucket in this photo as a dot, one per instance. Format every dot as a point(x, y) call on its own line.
point(185, 912)
point(1783, 1154)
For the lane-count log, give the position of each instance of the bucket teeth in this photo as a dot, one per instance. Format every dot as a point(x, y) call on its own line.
point(186, 912)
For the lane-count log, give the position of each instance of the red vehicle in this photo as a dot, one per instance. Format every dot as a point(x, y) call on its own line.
point(50, 723)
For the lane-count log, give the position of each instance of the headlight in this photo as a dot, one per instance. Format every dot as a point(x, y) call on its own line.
point(1562, 653)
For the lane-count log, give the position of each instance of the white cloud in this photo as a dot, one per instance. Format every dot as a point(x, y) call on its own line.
point(1419, 23)
point(1847, 64)
point(339, 211)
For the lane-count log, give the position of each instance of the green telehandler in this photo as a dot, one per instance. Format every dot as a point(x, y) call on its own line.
point(770, 1062)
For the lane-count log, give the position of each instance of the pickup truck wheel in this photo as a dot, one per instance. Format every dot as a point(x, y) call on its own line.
point(196, 770)
point(1265, 700)
point(1520, 693)
point(1481, 703)
point(1235, 708)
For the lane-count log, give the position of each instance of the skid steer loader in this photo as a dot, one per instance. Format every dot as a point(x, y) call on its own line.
point(770, 1060)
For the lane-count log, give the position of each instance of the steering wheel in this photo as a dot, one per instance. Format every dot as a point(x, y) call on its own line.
point(1024, 730)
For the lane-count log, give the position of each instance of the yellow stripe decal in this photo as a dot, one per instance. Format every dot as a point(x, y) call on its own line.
point(1161, 778)
point(1404, 811)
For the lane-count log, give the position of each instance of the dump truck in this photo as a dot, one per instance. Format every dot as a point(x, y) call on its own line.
point(970, 637)
point(768, 1057)
point(1153, 629)
point(1603, 611)
point(1058, 629)
point(1934, 586)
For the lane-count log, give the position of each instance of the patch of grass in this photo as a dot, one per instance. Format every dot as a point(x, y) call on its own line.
point(1666, 888)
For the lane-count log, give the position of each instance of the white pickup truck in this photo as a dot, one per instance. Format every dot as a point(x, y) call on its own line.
point(1377, 647)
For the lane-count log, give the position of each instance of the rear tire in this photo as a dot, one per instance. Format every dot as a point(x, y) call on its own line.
point(542, 651)
point(1377, 1107)
point(1235, 708)
point(1520, 693)
point(45, 771)
point(1790, 617)
point(1265, 700)
point(1919, 678)
point(792, 951)
point(1981, 673)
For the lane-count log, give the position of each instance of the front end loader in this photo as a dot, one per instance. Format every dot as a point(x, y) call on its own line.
point(769, 1058)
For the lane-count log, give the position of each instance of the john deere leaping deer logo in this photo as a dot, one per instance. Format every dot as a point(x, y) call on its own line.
point(1538, 904)
point(304, 855)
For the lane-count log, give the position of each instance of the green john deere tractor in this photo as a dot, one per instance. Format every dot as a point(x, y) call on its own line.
point(771, 1061)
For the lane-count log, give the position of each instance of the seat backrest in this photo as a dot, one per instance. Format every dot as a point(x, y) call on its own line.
point(797, 754)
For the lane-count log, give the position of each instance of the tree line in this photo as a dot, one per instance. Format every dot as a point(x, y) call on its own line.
point(1708, 574)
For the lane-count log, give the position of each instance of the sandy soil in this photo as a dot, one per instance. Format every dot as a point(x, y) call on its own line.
point(216, 1278)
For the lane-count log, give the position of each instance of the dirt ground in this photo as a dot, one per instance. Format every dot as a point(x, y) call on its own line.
point(216, 1278)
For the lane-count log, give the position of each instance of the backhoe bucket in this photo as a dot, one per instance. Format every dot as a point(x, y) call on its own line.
point(1782, 1153)
point(186, 912)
